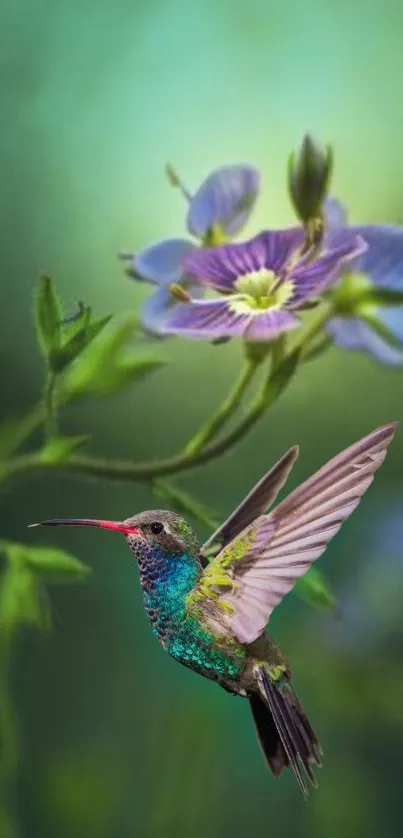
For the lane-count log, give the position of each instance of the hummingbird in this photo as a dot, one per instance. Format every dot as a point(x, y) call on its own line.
point(209, 604)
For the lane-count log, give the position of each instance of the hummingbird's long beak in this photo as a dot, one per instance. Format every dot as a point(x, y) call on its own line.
point(117, 526)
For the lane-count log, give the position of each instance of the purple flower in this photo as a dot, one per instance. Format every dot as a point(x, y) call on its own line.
point(262, 283)
point(217, 211)
point(372, 327)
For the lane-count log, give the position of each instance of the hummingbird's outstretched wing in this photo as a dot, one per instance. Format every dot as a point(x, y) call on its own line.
point(259, 499)
point(248, 578)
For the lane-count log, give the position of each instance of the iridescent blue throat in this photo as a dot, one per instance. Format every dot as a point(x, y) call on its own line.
point(166, 580)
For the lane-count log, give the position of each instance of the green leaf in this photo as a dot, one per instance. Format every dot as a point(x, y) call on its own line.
point(59, 449)
point(72, 326)
point(106, 367)
point(317, 349)
point(48, 316)
point(315, 590)
point(184, 503)
point(22, 599)
point(127, 371)
point(14, 431)
point(78, 343)
point(49, 563)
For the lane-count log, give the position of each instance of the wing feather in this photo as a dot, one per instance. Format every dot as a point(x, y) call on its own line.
point(262, 563)
point(259, 499)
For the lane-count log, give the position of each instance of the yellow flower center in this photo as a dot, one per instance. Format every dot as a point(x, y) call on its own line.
point(258, 291)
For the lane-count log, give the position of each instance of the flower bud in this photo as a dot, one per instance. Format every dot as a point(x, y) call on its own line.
point(309, 173)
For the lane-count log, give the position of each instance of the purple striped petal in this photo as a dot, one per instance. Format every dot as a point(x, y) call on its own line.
point(161, 263)
point(206, 320)
point(311, 277)
point(383, 261)
point(278, 246)
point(269, 324)
point(221, 266)
point(225, 198)
point(353, 333)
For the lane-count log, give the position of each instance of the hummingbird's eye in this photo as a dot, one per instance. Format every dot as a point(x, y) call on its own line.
point(156, 527)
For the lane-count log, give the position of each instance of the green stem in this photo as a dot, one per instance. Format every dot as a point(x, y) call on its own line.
point(281, 370)
point(228, 407)
point(50, 405)
point(129, 471)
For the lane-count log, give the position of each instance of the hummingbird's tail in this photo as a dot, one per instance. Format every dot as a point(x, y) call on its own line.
point(283, 731)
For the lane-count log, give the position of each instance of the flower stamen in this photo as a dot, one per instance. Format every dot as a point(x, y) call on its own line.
point(260, 291)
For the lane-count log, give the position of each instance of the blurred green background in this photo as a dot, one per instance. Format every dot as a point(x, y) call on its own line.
point(117, 739)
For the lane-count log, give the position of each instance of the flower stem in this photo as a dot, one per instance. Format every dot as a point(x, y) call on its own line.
point(129, 471)
point(50, 405)
point(283, 365)
point(228, 407)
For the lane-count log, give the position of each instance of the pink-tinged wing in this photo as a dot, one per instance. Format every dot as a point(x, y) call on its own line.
point(281, 546)
point(259, 499)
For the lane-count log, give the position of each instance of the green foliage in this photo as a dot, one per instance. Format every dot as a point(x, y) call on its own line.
point(13, 432)
point(73, 346)
point(108, 366)
point(60, 341)
point(23, 597)
point(60, 448)
point(281, 376)
point(23, 600)
point(49, 563)
point(48, 316)
point(315, 590)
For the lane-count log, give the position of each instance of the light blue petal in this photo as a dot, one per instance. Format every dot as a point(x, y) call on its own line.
point(383, 261)
point(353, 333)
point(157, 306)
point(392, 317)
point(155, 309)
point(334, 213)
point(226, 198)
point(161, 263)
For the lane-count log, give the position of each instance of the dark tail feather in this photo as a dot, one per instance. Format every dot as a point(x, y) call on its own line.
point(283, 731)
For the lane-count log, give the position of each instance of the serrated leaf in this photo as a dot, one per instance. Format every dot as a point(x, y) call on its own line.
point(50, 563)
point(315, 590)
point(127, 372)
point(78, 343)
point(48, 316)
point(106, 367)
point(59, 449)
point(76, 321)
point(184, 503)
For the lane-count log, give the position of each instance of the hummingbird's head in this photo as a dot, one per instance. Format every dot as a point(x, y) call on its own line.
point(155, 528)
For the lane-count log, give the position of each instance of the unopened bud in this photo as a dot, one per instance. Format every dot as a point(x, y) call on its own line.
point(309, 173)
point(175, 181)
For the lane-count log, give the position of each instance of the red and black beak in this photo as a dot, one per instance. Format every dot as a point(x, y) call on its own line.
point(117, 526)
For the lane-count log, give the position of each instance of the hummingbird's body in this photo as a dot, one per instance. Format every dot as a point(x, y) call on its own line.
point(212, 616)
